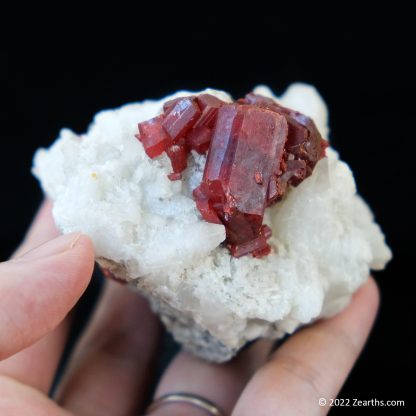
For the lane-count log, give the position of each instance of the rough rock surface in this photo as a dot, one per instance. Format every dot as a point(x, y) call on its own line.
point(147, 230)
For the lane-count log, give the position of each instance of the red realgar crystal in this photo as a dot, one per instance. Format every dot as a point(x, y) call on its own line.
point(182, 116)
point(256, 148)
point(304, 146)
point(153, 136)
point(248, 143)
point(186, 124)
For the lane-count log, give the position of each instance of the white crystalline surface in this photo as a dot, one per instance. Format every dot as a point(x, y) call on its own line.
point(324, 240)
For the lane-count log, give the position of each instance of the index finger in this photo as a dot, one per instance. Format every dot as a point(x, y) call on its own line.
point(313, 363)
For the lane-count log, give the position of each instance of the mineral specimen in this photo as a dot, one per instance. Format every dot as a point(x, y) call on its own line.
point(148, 231)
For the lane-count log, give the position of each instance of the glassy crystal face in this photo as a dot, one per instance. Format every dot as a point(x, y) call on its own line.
point(246, 150)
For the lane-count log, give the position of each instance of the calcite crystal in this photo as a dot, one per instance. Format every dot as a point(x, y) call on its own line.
point(256, 148)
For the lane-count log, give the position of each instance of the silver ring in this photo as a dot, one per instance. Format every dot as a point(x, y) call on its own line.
point(188, 398)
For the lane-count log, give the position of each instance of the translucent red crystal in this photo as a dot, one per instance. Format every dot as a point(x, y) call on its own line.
point(304, 146)
point(205, 207)
point(199, 137)
point(209, 106)
point(302, 130)
point(181, 117)
point(247, 146)
point(153, 136)
point(186, 124)
point(256, 149)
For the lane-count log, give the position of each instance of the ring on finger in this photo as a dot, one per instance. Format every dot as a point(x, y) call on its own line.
point(192, 399)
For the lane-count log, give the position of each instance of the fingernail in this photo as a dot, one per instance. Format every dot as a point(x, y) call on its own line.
point(57, 245)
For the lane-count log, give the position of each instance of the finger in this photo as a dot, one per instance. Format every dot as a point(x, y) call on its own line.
point(109, 373)
point(219, 383)
point(20, 399)
point(38, 289)
point(41, 230)
point(312, 364)
point(37, 364)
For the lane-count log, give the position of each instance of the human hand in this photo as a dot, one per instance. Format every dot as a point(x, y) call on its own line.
point(111, 367)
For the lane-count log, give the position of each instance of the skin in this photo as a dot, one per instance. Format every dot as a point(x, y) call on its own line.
point(111, 367)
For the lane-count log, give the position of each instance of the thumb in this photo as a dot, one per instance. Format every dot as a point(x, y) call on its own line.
point(38, 289)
